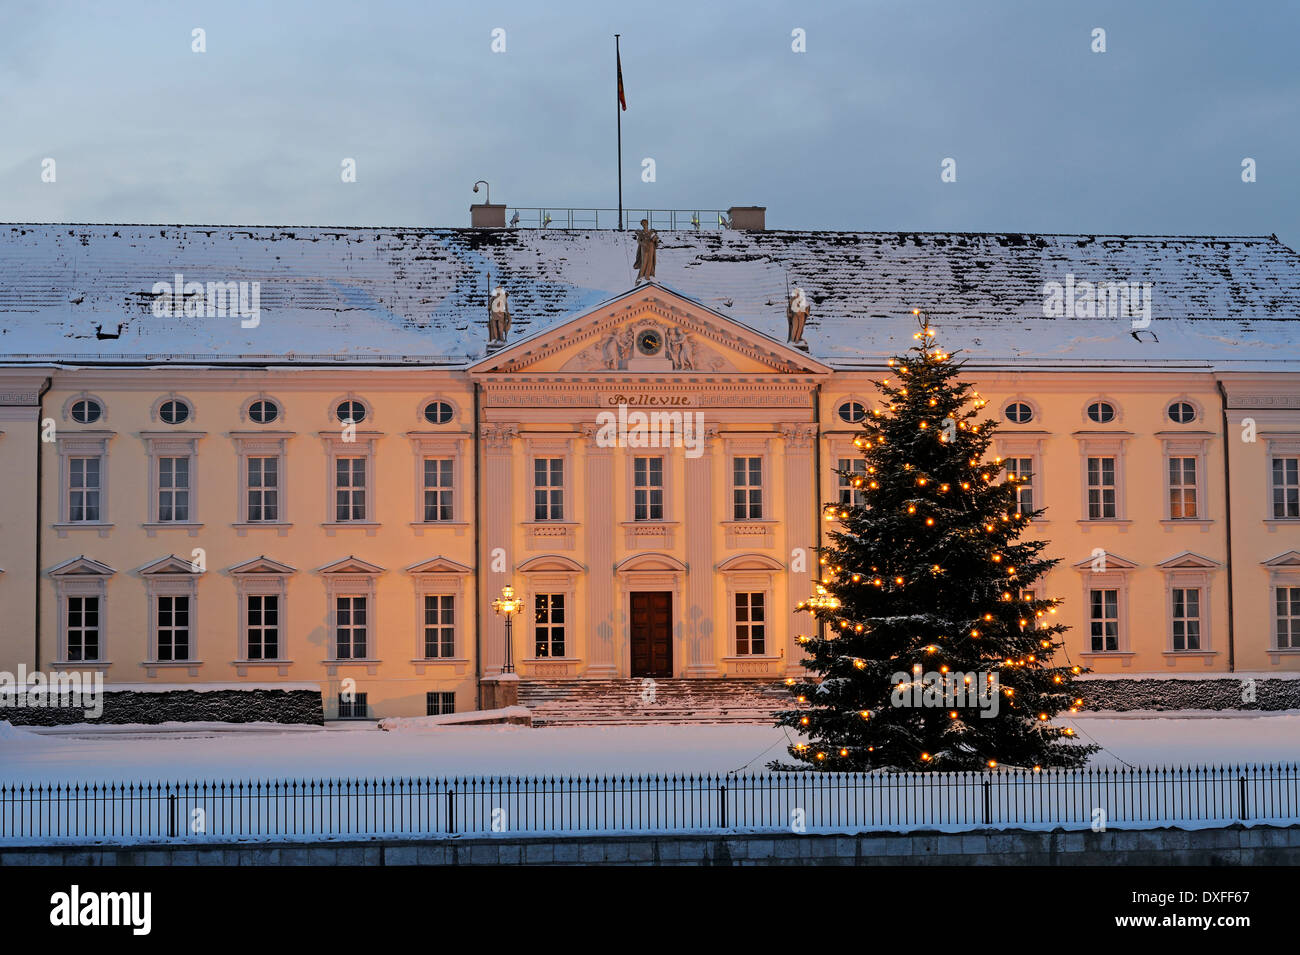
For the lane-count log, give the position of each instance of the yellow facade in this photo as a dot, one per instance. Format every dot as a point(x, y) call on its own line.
point(541, 398)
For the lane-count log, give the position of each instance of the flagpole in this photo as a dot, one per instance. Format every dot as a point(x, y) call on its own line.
point(618, 112)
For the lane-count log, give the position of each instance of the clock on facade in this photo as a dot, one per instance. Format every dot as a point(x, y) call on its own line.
point(649, 342)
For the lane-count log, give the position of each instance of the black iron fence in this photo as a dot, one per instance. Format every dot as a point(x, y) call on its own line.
point(433, 807)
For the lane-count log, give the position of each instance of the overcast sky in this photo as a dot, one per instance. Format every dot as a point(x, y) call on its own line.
point(1047, 136)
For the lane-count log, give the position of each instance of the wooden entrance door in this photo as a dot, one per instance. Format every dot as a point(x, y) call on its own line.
point(652, 633)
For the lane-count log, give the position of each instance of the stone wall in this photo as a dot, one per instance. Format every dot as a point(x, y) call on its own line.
point(1153, 693)
point(1234, 845)
point(224, 706)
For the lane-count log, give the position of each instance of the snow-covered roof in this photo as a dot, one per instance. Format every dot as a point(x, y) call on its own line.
point(378, 295)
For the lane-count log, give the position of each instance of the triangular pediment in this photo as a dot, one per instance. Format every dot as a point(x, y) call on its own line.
point(649, 329)
point(439, 565)
point(262, 565)
point(1188, 560)
point(1101, 563)
point(350, 565)
point(81, 567)
point(1290, 558)
point(169, 566)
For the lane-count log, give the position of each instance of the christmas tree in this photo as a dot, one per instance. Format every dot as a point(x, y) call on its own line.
point(932, 648)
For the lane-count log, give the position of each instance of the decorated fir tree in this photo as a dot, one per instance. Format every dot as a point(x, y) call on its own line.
point(931, 647)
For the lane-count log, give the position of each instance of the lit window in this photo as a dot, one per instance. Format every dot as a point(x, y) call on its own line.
point(548, 625)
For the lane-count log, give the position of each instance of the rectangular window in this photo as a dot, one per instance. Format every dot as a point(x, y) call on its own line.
point(1187, 618)
point(83, 489)
point(751, 632)
point(439, 625)
point(173, 628)
point(439, 704)
point(350, 628)
point(1023, 470)
point(648, 489)
point(263, 489)
point(438, 489)
point(174, 489)
point(1101, 489)
point(1288, 617)
point(1104, 618)
point(747, 488)
point(353, 709)
point(1182, 489)
point(548, 489)
point(1286, 489)
point(263, 627)
point(548, 629)
point(83, 628)
point(349, 489)
point(848, 470)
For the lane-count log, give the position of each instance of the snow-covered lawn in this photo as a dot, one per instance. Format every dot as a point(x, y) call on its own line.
point(362, 751)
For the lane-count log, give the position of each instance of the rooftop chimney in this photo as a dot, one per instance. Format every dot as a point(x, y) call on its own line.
point(487, 216)
point(748, 217)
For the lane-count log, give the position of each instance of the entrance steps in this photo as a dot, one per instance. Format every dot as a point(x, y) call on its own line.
point(659, 701)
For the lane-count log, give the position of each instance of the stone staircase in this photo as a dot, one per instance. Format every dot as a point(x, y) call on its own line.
point(637, 701)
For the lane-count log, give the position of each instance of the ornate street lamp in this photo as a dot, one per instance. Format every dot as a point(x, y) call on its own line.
point(508, 605)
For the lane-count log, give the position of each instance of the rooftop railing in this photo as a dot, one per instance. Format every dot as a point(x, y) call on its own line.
point(525, 217)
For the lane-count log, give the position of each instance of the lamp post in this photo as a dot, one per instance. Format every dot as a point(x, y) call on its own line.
point(508, 605)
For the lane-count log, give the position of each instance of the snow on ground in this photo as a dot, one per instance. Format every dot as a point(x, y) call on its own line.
point(359, 750)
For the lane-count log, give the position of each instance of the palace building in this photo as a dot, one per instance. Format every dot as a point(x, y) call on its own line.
point(258, 455)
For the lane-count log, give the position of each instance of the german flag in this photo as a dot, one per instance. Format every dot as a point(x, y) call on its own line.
point(622, 100)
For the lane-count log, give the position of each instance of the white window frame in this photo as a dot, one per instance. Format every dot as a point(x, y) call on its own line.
point(1283, 571)
point(441, 577)
point(351, 577)
point(737, 623)
point(172, 577)
point(1279, 449)
point(85, 396)
point(261, 444)
point(156, 408)
point(362, 447)
point(1115, 575)
point(566, 624)
point(83, 444)
point(843, 481)
point(1104, 445)
point(733, 487)
point(665, 514)
point(445, 445)
point(262, 396)
point(1029, 444)
point(1186, 444)
point(172, 444)
point(1189, 571)
point(549, 489)
point(261, 577)
point(81, 577)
